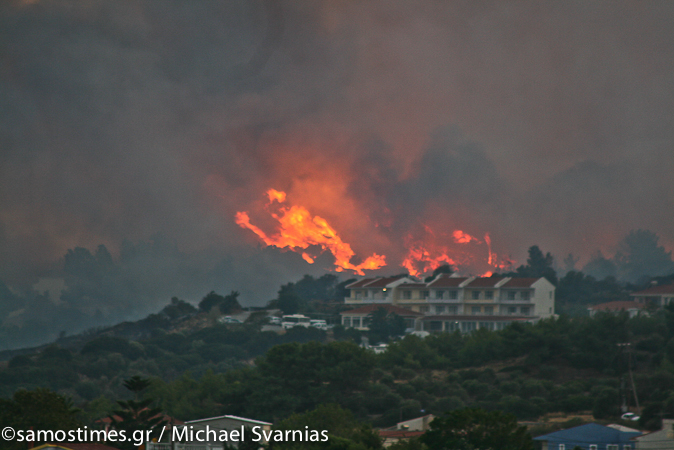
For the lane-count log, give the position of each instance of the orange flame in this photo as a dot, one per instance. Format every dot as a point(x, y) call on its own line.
point(273, 194)
point(487, 239)
point(463, 238)
point(428, 254)
point(419, 260)
point(299, 230)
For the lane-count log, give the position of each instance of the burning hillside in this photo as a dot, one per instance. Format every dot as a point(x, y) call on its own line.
point(296, 229)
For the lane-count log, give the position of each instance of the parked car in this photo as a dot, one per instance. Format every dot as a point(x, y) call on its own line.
point(273, 320)
point(318, 323)
point(295, 320)
point(228, 319)
point(380, 348)
point(630, 416)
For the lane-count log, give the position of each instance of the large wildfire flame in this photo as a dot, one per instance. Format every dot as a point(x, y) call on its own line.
point(433, 251)
point(299, 230)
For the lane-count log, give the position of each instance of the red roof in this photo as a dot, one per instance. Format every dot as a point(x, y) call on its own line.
point(617, 306)
point(484, 282)
point(360, 283)
point(78, 446)
point(520, 282)
point(382, 282)
point(169, 419)
point(399, 434)
point(390, 308)
point(412, 285)
point(657, 290)
point(447, 282)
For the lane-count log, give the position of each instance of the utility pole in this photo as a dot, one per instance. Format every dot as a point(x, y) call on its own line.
point(628, 346)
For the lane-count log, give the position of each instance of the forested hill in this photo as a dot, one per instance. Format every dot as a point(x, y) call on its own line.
point(564, 365)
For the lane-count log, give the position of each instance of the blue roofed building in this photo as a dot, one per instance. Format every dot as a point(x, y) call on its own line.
point(591, 436)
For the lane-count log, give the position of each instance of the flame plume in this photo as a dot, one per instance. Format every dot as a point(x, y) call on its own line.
point(298, 229)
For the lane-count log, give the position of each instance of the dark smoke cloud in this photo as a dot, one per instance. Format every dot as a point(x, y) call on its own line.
point(125, 119)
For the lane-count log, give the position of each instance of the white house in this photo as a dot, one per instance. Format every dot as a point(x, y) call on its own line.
point(657, 440)
point(658, 296)
point(213, 433)
point(632, 308)
point(450, 302)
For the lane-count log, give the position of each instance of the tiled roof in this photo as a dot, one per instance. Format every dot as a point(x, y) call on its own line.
point(390, 308)
point(657, 290)
point(361, 283)
point(447, 282)
point(168, 419)
point(412, 285)
point(382, 282)
point(241, 419)
point(484, 282)
point(617, 306)
point(520, 282)
point(76, 446)
point(589, 433)
point(399, 434)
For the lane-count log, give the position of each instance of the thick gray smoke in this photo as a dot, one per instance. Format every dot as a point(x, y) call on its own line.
point(548, 124)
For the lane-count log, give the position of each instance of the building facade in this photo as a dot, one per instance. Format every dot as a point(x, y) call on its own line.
point(633, 309)
point(451, 303)
point(656, 296)
point(591, 436)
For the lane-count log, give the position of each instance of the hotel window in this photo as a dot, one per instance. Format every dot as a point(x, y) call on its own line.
point(593, 447)
point(367, 294)
point(347, 322)
point(612, 447)
point(561, 447)
point(439, 294)
point(525, 295)
point(424, 309)
point(435, 326)
point(475, 295)
point(356, 322)
point(489, 295)
point(489, 310)
point(439, 309)
point(475, 310)
point(511, 295)
point(467, 326)
point(487, 326)
point(525, 310)
point(453, 295)
point(512, 310)
point(451, 326)
point(452, 309)
point(425, 294)
point(359, 295)
point(407, 295)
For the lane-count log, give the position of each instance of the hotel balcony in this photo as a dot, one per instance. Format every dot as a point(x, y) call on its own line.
point(368, 299)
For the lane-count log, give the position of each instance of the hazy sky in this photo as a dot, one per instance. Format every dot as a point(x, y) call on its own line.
point(548, 123)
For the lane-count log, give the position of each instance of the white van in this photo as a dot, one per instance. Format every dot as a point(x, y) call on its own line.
point(295, 320)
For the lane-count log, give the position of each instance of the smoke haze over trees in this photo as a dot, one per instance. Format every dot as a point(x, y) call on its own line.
point(133, 132)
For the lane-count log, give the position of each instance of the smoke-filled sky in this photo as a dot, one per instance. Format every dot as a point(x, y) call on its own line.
point(548, 123)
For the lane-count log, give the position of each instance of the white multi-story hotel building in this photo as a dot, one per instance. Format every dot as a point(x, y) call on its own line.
point(449, 302)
